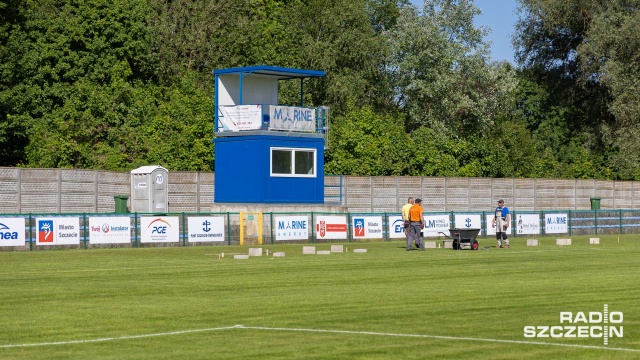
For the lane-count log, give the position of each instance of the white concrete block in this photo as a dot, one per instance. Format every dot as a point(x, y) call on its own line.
point(447, 244)
point(429, 244)
point(563, 242)
point(594, 241)
point(532, 242)
point(241, 257)
point(308, 250)
point(255, 251)
point(337, 248)
point(278, 254)
point(323, 252)
point(359, 250)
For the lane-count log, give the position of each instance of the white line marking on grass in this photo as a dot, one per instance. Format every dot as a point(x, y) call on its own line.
point(439, 337)
point(423, 336)
point(119, 337)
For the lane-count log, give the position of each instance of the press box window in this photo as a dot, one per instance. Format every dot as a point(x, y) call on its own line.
point(293, 162)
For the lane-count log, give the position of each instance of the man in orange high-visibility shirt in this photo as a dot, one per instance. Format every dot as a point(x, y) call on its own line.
point(416, 224)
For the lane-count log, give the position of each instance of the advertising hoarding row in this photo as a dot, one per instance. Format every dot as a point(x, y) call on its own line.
point(161, 229)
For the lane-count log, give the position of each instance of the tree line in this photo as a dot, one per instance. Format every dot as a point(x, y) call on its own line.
point(118, 84)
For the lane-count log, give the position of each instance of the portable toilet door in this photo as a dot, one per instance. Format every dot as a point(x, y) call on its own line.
point(149, 189)
point(159, 180)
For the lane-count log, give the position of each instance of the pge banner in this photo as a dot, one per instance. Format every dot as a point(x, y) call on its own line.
point(58, 231)
point(434, 224)
point(556, 224)
point(159, 229)
point(241, 117)
point(206, 228)
point(110, 230)
point(12, 232)
point(292, 118)
point(367, 227)
point(396, 227)
point(527, 224)
point(292, 227)
point(491, 230)
point(331, 227)
point(468, 221)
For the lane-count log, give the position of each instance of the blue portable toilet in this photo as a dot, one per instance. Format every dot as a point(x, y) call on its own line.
point(266, 152)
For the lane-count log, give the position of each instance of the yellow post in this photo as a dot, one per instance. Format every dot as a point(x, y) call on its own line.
point(241, 228)
point(260, 228)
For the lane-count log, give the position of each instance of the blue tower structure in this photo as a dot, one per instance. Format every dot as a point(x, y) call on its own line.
point(266, 152)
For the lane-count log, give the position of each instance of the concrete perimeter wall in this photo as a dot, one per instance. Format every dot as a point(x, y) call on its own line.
point(25, 190)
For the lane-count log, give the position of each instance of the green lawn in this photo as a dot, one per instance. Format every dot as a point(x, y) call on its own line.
point(183, 303)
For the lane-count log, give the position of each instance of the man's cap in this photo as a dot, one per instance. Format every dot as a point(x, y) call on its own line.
point(418, 200)
point(501, 201)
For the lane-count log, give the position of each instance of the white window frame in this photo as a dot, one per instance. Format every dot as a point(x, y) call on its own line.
point(293, 151)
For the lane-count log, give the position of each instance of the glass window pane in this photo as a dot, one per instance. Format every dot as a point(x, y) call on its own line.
point(281, 161)
point(304, 162)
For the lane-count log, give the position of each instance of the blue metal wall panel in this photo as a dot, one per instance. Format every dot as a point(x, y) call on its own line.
point(242, 173)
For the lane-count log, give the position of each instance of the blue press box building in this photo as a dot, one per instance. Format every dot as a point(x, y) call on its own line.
point(266, 152)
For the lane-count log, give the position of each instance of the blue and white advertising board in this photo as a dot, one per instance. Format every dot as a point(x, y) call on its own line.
point(292, 118)
point(556, 224)
point(206, 228)
point(527, 224)
point(12, 232)
point(396, 227)
point(58, 231)
point(434, 224)
point(292, 227)
point(159, 229)
point(367, 227)
point(468, 221)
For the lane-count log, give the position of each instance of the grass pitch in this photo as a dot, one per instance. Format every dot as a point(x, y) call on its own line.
point(185, 303)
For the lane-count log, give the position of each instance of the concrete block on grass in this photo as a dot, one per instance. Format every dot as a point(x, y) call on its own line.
point(308, 250)
point(359, 250)
point(241, 257)
point(337, 248)
point(594, 241)
point(278, 254)
point(532, 242)
point(429, 244)
point(447, 244)
point(323, 252)
point(563, 242)
point(255, 251)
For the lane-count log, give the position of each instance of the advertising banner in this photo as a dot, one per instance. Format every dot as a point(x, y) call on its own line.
point(206, 228)
point(12, 232)
point(435, 224)
point(367, 227)
point(527, 224)
point(241, 117)
point(292, 227)
point(159, 229)
point(556, 224)
point(468, 221)
point(58, 231)
point(396, 227)
point(492, 230)
point(109, 230)
point(331, 227)
point(292, 118)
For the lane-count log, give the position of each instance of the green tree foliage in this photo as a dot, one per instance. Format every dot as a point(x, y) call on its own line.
point(365, 143)
point(118, 84)
point(583, 54)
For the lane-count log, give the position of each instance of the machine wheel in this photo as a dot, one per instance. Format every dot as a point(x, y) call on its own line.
point(474, 245)
point(455, 245)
